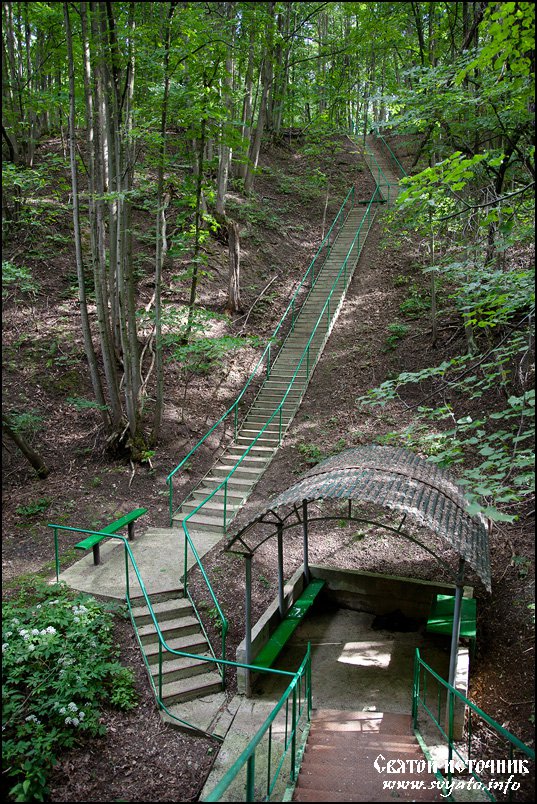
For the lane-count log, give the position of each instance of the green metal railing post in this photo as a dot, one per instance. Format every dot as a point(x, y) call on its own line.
point(236, 423)
point(293, 738)
point(269, 760)
point(225, 502)
point(250, 778)
point(160, 669)
point(450, 734)
point(308, 680)
point(416, 688)
point(268, 360)
point(127, 580)
point(56, 555)
point(185, 575)
point(169, 481)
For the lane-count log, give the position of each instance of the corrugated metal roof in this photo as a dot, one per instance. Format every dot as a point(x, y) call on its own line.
point(392, 478)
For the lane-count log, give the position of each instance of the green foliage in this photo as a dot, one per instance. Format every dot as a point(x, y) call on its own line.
point(212, 613)
point(35, 508)
point(28, 423)
point(415, 305)
point(59, 667)
point(17, 278)
point(502, 441)
point(80, 403)
point(310, 453)
point(397, 331)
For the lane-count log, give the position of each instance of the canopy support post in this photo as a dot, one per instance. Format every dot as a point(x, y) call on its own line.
point(305, 540)
point(248, 621)
point(281, 600)
point(456, 623)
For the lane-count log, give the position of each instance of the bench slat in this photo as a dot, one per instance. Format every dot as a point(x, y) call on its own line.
point(270, 651)
point(113, 527)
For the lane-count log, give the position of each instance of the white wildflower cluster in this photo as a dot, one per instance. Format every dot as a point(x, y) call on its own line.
point(79, 610)
point(76, 717)
point(32, 719)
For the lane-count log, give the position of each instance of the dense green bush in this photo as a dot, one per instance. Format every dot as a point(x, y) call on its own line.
point(59, 666)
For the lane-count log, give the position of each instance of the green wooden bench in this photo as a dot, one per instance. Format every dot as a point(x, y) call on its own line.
point(270, 651)
point(441, 617)
point(94, 541)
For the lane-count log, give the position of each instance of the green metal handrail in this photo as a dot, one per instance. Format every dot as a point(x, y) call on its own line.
point(220, 663)
point(290, 311)
point(452, 693)
point(248, 756)
point(398, 164)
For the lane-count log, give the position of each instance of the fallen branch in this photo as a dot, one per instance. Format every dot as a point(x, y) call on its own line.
point(274, 278)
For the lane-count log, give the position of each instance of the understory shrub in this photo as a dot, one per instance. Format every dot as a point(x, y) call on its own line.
point(59, 667)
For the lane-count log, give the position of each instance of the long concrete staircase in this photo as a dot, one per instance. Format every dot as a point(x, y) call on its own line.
point(282, 379)
point(341, 752)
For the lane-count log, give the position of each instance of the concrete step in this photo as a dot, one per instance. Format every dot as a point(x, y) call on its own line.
point(179, 667)
point(212, 507)
point(201, 522)
point(189, 643)
point(186, 689)
point(257, 452)
point(271, 432)
point(202, 492)
point(259, 438)
point(243, 471)
point(237, 482)
point(158, 597)
point(180, 627)
point(170, 609)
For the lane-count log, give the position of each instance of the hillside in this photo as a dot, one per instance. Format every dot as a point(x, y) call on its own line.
point(87, 488)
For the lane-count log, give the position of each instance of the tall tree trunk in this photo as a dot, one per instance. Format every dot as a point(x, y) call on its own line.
point(96, 187)
point(246, 127)
point(266, 78)
point(234, 295)
point(225, 152)
point(198, 222)
point(86, 329)
point(160, 231)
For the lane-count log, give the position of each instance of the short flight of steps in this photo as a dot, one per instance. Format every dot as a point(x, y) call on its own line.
point(340, 755)
point(264, 414)
point(183, 679)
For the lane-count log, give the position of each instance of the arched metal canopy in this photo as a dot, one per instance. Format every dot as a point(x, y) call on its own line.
point(389, 477)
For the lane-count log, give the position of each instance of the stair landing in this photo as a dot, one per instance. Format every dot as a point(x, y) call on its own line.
point(342, 749)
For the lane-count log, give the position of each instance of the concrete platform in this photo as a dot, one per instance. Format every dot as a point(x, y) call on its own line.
point(159, 553)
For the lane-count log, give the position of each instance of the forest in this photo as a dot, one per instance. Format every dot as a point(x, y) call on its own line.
point(169, 170)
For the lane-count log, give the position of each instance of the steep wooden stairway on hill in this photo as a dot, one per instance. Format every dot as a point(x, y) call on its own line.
point(341, 752)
